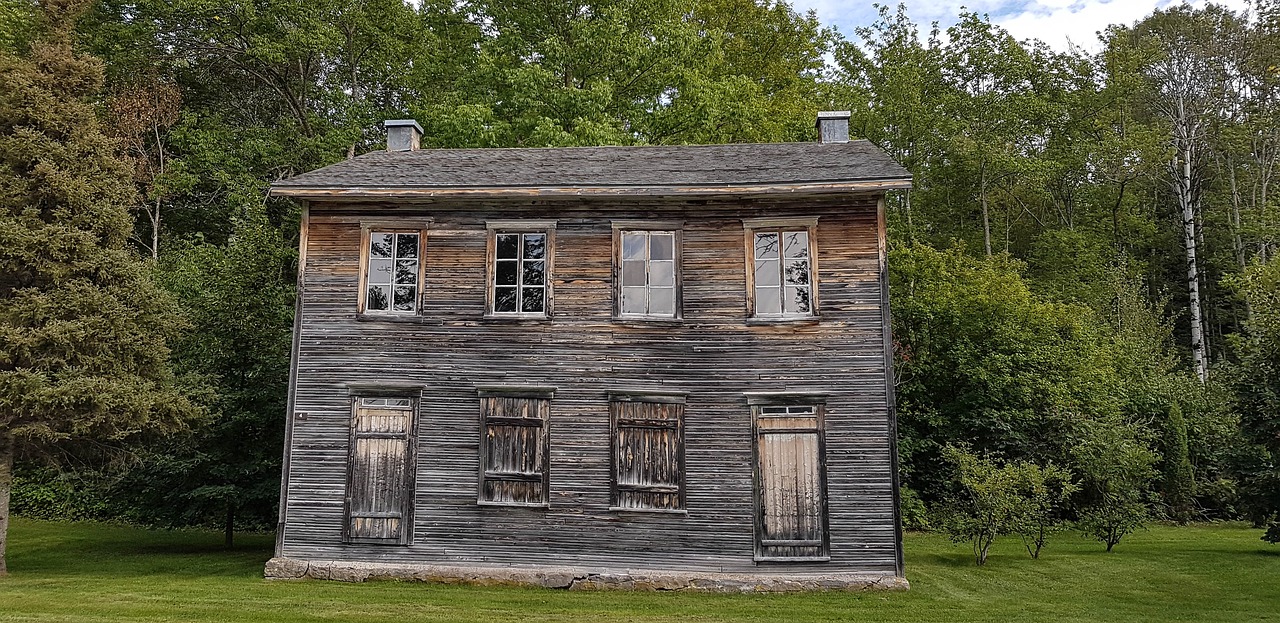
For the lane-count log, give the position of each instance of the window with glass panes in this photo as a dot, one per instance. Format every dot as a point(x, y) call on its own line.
point(648, 284)
point(391, 277)
point(783, 277)
point(520, 273)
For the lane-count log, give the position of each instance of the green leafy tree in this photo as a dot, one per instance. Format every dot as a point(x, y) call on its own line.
point(238, 298)
point(1116, 468)
point(17, 22)
point(1258, 388)
point(84, 365)
point(996, 499)
point(1046, 491)
point(984, 359)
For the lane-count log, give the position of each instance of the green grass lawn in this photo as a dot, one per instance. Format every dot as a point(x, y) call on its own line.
point(96, 572)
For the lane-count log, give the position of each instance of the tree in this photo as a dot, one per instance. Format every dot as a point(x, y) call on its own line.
point(17, 20)
point(1046, 491)
point(1258, 388)
point(1116, 468)
point(84, 365)
point(1177, 483)
point(1188, 77)
point(982, 358)
point(238, 299)
point(140, 117)
point(996, 499)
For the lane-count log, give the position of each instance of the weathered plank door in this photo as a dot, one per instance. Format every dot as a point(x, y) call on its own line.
point(791, 504)
point(380, 471)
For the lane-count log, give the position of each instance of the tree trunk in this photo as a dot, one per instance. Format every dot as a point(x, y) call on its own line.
point(228, 535)
point(1237, 238)
point(6, 484)
point(1186, 202)
point(155, 233)
point(986, 217)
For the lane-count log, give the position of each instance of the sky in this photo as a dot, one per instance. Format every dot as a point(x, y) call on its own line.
point(1057, 22)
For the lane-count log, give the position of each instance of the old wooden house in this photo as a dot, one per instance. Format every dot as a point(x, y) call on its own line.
point(660, 367)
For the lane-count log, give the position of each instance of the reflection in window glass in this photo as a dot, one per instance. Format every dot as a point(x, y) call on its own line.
point(648, 274)
point(391, 278)
point(520, 273)
point(783, 274)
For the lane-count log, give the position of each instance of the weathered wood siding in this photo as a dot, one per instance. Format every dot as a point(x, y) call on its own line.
point(713, 356)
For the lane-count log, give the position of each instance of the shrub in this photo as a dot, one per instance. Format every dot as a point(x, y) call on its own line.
point(999, 499)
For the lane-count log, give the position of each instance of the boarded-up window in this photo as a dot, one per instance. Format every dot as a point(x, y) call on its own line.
point(513, 449)
point(379, 500)
point(648, 452)
point(791, 504)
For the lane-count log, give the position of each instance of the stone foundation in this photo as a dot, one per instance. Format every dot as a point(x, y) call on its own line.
point(576, 579)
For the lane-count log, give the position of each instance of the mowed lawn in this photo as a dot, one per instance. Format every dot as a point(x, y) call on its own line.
point(96, 572)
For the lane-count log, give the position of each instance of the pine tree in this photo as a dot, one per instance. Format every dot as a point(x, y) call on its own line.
point(84, 366)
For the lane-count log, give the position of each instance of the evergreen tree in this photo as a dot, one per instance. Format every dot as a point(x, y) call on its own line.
point(84, 365)
point(1178, 481)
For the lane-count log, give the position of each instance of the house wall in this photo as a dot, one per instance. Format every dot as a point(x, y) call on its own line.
point(713, 354)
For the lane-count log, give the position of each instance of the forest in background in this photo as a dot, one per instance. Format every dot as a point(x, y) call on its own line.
point(1084, 276)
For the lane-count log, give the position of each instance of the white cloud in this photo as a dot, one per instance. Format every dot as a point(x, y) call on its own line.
point(1055, 22)
point(1059, 22)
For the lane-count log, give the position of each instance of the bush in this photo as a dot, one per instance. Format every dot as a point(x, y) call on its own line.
point(41, 493)
point(1117, 468)
point(915, 515)
point(999, 499)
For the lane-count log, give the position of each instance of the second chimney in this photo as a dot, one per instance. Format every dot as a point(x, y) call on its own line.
point(402, 134)
point(833, 126)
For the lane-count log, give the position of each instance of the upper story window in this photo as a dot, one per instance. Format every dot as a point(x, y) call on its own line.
point(780, 270)
point(392, 275)
point(520, 268)
point(648, 271)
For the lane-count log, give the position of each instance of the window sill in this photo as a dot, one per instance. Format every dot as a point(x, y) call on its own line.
point(793, 559)
point(797, 321)
point(541, 505)
point(641, 321)
point(516, 319)
point(656, 511)
point(401, 318)
point(371, 541)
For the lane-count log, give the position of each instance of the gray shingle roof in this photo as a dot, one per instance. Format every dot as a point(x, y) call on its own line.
point(688, 167)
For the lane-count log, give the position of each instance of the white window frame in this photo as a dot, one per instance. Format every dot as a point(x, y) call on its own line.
point(522, 228)
point(780, 226)
point(620, 230)
point(367, 231)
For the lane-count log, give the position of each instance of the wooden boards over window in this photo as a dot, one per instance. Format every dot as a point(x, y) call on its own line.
point(379, 500)
point(647, 452)
point(514, 453)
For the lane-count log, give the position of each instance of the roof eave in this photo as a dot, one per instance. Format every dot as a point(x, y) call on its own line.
point(437, 192)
